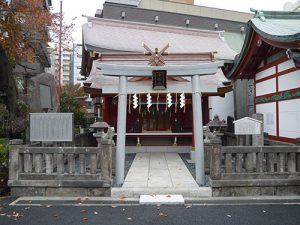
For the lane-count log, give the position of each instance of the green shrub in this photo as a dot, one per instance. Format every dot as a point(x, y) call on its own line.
point(4, 148)
point(4, 121)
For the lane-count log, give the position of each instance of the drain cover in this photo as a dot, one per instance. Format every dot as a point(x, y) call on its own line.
point(161, 200)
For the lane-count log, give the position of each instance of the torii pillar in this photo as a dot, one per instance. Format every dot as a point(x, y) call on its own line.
point(121, 130)
point(198, 130)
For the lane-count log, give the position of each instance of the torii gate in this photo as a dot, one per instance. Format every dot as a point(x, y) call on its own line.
point(194, 70)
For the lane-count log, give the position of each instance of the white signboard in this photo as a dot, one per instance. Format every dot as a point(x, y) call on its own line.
point(247, 126)
point(51, 127)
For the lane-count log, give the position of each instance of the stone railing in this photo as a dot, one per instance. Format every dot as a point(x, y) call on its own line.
point(246, 170)
point(61, 171)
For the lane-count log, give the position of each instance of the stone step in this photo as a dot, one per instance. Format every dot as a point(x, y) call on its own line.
point(121, 192)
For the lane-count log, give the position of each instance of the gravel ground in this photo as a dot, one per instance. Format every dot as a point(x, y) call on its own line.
point(128, 161)
point(191, 167)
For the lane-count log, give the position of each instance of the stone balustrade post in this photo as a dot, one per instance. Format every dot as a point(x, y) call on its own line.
point(106, 159)
point(298, 155)
point(14, 162)
point(216, 159)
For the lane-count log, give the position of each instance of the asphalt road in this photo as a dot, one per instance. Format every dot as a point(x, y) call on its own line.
point(211, 213)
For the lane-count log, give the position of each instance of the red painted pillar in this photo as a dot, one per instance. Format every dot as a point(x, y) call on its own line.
point(105, 110)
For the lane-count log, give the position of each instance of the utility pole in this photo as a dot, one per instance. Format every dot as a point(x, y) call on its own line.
point(59, 51)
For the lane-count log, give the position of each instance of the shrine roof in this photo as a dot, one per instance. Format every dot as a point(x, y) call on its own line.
point(114, 35)
point(277, 26)
point(97, 80)
point(268, 29)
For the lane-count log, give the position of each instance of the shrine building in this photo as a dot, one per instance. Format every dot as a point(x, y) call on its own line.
point(271, 56)
point(154, 68)
point(120, 43)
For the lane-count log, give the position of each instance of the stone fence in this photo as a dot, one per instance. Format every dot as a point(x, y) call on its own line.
point(248, 171)
point(61, 171)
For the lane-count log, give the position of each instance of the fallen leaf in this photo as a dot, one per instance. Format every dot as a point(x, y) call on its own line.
point(82, 200)
point(17, 215)
point(114, 206)
point(83, 211)
point(122, 199)
point(229, 215)
point(85, 219)
point(188, 206)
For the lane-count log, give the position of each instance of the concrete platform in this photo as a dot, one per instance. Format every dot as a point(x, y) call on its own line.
point(159, 173)
point(161, 200)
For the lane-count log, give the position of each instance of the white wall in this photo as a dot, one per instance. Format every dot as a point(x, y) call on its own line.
point(289, 118)
point(269, 111)
point(265, 73)
point(266, 87)
point(222, 107)
point(289, 81)
point(286, 65)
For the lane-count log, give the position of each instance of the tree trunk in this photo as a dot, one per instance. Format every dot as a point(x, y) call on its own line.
point(8, 89)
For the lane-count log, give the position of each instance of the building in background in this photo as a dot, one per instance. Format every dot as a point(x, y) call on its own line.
point(76, 58)
point(180, 13)
point(65, 65)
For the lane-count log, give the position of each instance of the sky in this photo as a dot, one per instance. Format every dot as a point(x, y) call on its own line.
point(77, 8)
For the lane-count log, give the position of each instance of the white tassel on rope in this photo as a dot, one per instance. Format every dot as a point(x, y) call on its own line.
point(182, 101)
point(176, 102)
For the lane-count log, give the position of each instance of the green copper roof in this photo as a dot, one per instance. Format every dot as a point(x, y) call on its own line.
point(277, 26)
point(234, 40)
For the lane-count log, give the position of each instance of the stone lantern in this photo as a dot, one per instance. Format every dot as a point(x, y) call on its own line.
point(100, 128)
point(104, 136)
